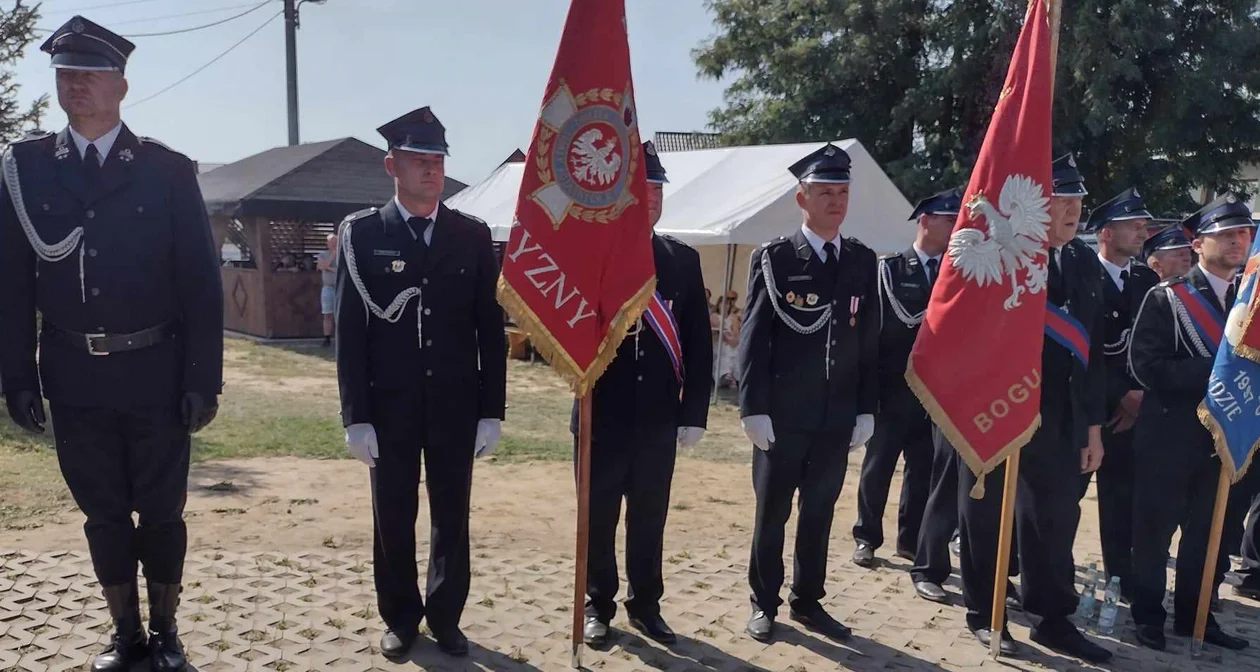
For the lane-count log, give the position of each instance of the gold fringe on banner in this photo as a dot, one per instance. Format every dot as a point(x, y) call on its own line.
point(1222, 446)
point(540, 337)
point(978, 466)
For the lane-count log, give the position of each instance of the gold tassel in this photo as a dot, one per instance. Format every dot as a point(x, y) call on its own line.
point(977, 490)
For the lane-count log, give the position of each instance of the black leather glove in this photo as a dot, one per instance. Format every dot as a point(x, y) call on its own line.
point(197, 412)
point(27, 410)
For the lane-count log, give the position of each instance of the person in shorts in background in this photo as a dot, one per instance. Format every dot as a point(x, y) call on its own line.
point(326, 262)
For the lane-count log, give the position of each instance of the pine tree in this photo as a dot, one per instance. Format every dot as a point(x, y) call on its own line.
point(17, 31)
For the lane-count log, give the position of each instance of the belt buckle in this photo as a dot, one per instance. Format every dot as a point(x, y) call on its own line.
point(88, 338)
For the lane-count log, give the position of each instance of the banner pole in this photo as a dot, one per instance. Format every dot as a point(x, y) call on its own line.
point(1209, 563)
point(1005, 534)
point(583, 523)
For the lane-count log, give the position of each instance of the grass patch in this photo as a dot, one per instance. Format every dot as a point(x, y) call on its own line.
point(282, 401)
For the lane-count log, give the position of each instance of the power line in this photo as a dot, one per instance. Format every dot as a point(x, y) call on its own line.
point(180, 15)
point(220, 22)
point(210, 62)
point(252, 9)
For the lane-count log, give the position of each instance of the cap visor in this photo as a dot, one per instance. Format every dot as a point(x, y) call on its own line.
point(78, 60)
point(423, 149)
point(824, 179)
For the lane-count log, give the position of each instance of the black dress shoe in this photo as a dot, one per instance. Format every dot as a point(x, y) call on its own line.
point(594, 632)
point(1014, 601)
point(1066, 639)
point(1249, 592)
point(128, 643)
point(864, 556)
point(1151, 636)
point(654, 627)
point(452, 642)
point(821, 622)
point(1007, 646)
point(955, 547)
point(931, 591)
point(760, 626)
point(1215, 636)
point(396, 645)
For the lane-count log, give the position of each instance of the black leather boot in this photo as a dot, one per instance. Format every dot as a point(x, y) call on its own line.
point(166, 653)
point(127, 644)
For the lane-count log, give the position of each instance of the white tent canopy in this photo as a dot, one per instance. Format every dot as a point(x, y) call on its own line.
point(731, 196)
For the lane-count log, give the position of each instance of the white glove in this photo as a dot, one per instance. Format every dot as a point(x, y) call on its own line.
point(863, 430)
point(361, 442)
point(689, 436)
point(488, 433)
point(758, 430)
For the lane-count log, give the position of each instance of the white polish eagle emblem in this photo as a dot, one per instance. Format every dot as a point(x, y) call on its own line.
point(1016, 239)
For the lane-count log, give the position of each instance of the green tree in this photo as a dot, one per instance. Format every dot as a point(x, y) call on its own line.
point(17, 31)
point(1161, 96)
point(816, 70)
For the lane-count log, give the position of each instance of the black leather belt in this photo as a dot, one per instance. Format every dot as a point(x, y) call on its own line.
point(104, 344)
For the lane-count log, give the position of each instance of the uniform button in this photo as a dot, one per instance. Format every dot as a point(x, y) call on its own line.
point(139, 208)
point(833, 341)
point(424, 281)
point(92, 252)
point(835, 322)
point(426, 311)
point(90, 214)
point(429, 373)
point(1115, 313)
point(46, 207)
point(833, 362)
point(428, 343)
point(640, 378)
point(640, 353)
point(96, 292)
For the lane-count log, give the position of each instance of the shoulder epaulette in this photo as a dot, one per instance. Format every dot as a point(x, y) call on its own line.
point(355, 216)
point(33, 135)
point(776, 241)
point(893, 255)
point(474, 218)
point(144, 139)
point(1173, 281)
point(857, 242)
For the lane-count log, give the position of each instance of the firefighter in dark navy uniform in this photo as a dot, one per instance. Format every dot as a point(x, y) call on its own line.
point(1176, 475)
point(421, 363)
point(1120, 226)
point(653, 397)
point(105, 234)
point(903, 428)
point(809, 360)
point(1167, 252)
point(1067, 444)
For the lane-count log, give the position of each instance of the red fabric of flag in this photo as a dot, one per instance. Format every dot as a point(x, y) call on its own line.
point(976, 363)
point(578, 267)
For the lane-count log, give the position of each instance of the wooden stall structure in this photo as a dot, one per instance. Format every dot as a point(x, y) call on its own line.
point(271, 214)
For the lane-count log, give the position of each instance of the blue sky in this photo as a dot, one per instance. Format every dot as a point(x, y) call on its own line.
point(481, 64)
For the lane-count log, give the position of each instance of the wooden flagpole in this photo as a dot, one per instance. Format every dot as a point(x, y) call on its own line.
point(1006, 526)
point(583, 523)
point(1206, 584)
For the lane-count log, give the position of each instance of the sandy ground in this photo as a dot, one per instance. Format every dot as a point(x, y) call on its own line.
point(291, 504)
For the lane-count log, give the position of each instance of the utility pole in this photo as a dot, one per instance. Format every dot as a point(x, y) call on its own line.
point(290, 48)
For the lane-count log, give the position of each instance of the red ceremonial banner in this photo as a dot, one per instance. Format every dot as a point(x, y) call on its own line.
point(976, 363)
point(578, 268)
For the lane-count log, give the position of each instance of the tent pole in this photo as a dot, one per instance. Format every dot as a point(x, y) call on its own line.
point(721, 344)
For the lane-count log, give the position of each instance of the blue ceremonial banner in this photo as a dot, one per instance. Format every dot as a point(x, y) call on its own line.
point(1231, 407)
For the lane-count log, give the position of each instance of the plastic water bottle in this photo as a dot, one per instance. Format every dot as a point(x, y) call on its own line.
point(1085, 605)
point(1110, 606)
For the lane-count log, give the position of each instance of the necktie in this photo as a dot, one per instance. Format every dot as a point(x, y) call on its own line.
point(418, 225)
point(91, 164)
point(1124, 279)
point(830, 250)
point(932, 267)
point(1231, 293)
point(832, 264)
point(1055, 286)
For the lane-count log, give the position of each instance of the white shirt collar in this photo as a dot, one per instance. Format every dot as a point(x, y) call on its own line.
point(432, 217)
point(923, 257)
point(1219, 285)
point(103, 143)
point(1113, 270)
point(816, 242)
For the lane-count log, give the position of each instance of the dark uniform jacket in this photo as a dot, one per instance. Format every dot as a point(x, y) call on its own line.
point(1119, 310)
point(1164, 360)
point(639, 387)
point(460, 367)
point(904, 283)
point(822, 380)
point(147, 257)
point(1082, 296)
